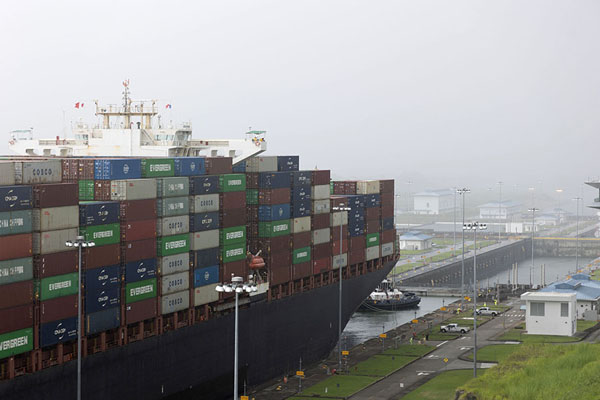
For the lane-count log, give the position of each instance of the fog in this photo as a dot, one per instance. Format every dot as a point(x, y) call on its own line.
point(438, 93)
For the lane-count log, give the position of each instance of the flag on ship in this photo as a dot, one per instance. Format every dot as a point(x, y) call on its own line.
point(168, 106)
point(78, 105)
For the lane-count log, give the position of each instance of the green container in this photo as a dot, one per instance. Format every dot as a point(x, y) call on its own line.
point(236, 234)
point(17, 270)
point(169, 245)
point(274, 228)
point(234, 252)
point(251, 196)
point(58, 286)
point(330, 187)
point(173, 187)
point(156, 167)
point(173, 206)
point(102, 234)
point(141, 290)
point(16, 342)
point(372, 239)
point(15, 222)
point(301, 255)
point(232, 182)
point(86, 190)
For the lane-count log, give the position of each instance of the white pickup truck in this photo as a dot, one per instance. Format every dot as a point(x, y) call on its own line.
point(486, 311)
point(454, 328)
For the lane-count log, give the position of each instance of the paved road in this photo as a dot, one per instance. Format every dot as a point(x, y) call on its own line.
point(417, 373)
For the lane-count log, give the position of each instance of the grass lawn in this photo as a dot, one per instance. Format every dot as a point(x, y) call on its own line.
point(348, 385)
point(412, 252)
point(439, 336)
point(520, 336)
point(379, 365)
point(596, 275)
point(582, 325)
point(416, 350)
point(443, 386)
point(494, 352)
point(444, 242)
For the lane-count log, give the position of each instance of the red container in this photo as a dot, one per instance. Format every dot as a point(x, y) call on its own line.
point(344, 187)
point(218, 165)
point(387, 210)
point(373, 226)
point(233, 217)
point(136, 210)
point(273, 245)
point(70, 170)
point(274, 196)
point(16, 294)
point(300, 240)
point(386, 186)
point(338, 201)
point(372, 213)
point(387, 198)
point(357, 256)
point(56, 263)
point(278, 276)
point(335, 232)
point(138, 250)
point(55, 195)
point(138, 230)
point(231, 200)
point(320, 221)
point(101, 256)
point(321, 265)
point(357, 243)
point(15, 246)
point(85, 168)
point(16, 318)
point(388, 236)
point(59, 308)
point(338, 187)
point(279, 260)
point(252, 180)
point(237, 268)
point(321, 251)
point(102, 190)
point(301, 270)
point(140, 310)
point(335, 248)
point(320, 177)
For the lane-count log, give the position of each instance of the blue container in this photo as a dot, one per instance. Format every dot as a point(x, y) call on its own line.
point(275, 212)
point(300, 193)
point(59, 331)
point(301, 209)
point(355, 201)
point(13, 198)
point(205, 258)
point(301, 178)
point(189, 166)
point(239, 168)
point(274, 180)
point(204, 184)
point(356, 215)
point(140, 270)
point(99, 278)
point(387, 224)
point(98, 213)
point(204, 221)
point(372, 200)
point(356, 232)
point(118, 168)
point(288, 163)
point(206, 276)
point(102, 299)
point(102, 320)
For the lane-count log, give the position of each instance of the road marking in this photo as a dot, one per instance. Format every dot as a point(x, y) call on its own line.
point(425, 372)
point(444, 342)
point(512, 342)
point(463, 338)
point(432, 356)
point(466, 348)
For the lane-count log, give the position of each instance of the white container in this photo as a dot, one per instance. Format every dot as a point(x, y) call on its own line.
point(372, 253)
point(175, 282)
point(204, 240)
point(7, 173)
point(387, 249)
point(173, 187)
point(54, 218)
point(321, 206)
point(339, 217)
point(262, 164)
point(133, 189)
point(301, 224)
point(341, 260)
point(367, 187)
point(169, 226)
point(172, 264)
point(53, 241)
point(204, 203)
point(175, 302)
point(205, 294)
point(321, 236)
point(49, 171)
point(319, 192)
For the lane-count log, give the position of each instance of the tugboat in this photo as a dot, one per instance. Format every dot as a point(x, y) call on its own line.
point(387, 298)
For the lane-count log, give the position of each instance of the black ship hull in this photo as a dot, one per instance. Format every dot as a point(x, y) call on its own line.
point(273, 337)
point(390, 305)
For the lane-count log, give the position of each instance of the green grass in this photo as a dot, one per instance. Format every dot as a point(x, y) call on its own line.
point(379, 365)
point(348, 385)
point(520, 336)
point(494, 352)
point(416, 350)
point(596, 275)
point(582, 325)
point(444, 242)
point(443, 386)
point(403, 268)
point(439, 336)
point(413, 252)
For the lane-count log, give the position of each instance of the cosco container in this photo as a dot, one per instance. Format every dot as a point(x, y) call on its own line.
point(373, 239)
point(55, 218)
point(204, 240)
point(367, 187)
point(169, 245)
point(61, 331)
point(175, 282)
point(16, 342)
point(236, 234)
point(157, 167)
point(100, 234)
point(274, 180)
point(59, 308)
point(16, 318)
point(175, 263)
point(13, 198)
point(100, 278)
point(204, 185)
point(206, 257)
point(204, 203)
point(387, 249)
point(94, 257)
point(17, 270)
point(105, 298)
point(52, 241)
point(321, 236)
point(55, 195)
point(133, 189)
point(136, 210)
point(372, 253)
point(274, 228)
point(138, 230)
point(172, 187)
point(234, 252)
point(288, 163)
point(301, 225)
point(339, 261)
point(171, 206)
point(16, 222)
point(102, 320)
point(141, 290)
point(275, 212)
point(301, 209)
point(49, 171)
point(232, 182)
point(205, 294)
point(98, 213)
point(140, 270)
point(7, 173)
point(173, 225)
point(140, 310)
point(301, 255)
point(111, 169)
point(175, 302)
point(321, 206)
point(204, 221)
point(261, 164)
point(58, 286)
point(16, 246)
point(189, 166)
point(206, 276)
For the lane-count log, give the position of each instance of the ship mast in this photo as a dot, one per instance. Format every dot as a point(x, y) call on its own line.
point(141, 109)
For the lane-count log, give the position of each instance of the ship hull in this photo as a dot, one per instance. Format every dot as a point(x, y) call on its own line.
point(273, 336)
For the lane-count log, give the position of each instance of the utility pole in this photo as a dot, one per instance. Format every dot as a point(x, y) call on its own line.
point(500, 208)
point(532, 211)
point(462, 192)
point(577, 235)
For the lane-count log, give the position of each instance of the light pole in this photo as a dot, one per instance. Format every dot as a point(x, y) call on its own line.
point(454, 226)
point(80, 243)
point(500, 207)
point(462, 192)
point(475, 226)
point(559, 191)
point(238, 286)
point(577, 234)
point(341, 209)
point(532, 210)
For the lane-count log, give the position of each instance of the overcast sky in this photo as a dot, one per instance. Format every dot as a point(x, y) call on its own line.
point(440, 93)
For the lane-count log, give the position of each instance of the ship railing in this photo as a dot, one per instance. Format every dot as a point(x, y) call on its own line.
point(205, 143)
point(62, 142)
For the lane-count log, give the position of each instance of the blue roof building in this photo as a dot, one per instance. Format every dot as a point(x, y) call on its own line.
point(587, 291)
point(414, 241)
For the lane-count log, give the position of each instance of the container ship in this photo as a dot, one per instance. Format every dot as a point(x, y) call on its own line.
point(170, 223)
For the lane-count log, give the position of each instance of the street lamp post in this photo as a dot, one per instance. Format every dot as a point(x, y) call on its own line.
point(462, 192)
point(80, 243)
point(532, 211)
point(238, 286)
point(341, 209)
point(454, 226)
point(500, 208)
point(475, 226)
point(577, 234)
